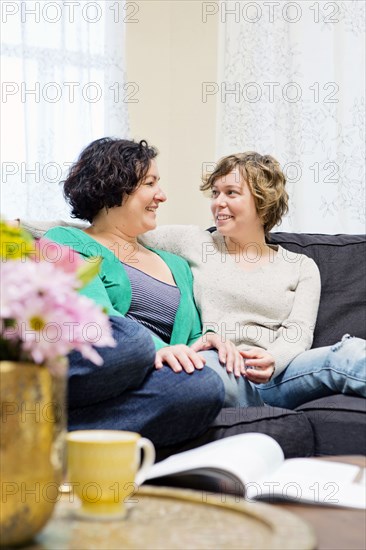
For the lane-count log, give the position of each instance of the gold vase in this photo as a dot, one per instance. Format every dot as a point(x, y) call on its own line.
point(33, 424)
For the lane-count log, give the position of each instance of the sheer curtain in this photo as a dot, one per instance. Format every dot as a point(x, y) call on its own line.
point(62, 66)
point(292, 84)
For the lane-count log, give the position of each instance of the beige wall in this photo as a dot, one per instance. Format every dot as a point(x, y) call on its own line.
point(170, 52)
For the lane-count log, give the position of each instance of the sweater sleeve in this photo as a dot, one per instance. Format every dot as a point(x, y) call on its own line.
point(177, 239)
point(296, 333)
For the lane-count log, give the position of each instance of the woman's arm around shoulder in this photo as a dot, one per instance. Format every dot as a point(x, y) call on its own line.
point(178, 239)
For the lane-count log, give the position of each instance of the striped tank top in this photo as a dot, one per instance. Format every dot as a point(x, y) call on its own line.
point(154, 303)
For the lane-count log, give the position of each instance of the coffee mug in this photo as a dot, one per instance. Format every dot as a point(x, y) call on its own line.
point(104, 468)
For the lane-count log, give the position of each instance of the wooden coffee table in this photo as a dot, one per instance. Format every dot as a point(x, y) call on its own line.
point(335, 528)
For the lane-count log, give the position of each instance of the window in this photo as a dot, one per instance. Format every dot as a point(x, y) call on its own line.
point(63, 85)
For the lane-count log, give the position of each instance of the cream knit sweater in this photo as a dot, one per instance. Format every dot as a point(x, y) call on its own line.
point(273, 307)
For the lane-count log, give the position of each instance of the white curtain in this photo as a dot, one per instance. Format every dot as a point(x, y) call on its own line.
point(62, 66)
point(292, 84)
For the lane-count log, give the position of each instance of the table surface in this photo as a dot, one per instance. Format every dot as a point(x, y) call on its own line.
point(160, 518)
point(335, 528)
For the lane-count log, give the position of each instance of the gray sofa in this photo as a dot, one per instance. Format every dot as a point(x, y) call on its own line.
point(334, 425)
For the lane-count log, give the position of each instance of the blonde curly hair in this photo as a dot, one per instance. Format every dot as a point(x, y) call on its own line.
point(265, 179)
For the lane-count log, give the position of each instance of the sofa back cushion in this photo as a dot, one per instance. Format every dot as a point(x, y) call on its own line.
point(342, 264)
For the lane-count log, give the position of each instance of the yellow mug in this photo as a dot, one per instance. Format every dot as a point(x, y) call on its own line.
point(104, 469)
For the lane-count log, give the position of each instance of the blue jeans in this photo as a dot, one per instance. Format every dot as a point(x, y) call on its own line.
point(318, 373)
point(128, 393)
point(239, 392)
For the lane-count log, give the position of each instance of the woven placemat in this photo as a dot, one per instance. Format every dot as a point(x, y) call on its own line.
point(165, 518)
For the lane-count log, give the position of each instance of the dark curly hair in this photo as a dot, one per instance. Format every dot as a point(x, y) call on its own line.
point(265, 179)
point(106, 171)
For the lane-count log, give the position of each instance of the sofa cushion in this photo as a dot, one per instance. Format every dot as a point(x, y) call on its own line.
point(338, 423)
point(342, 263)
point(292, 430)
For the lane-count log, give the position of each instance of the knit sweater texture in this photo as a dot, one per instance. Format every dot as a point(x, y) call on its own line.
point(273, 307)
point(112, 288)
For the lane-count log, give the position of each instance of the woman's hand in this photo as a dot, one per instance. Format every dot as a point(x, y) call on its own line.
point(229, 355)
point(179, 357)
point(259, 365)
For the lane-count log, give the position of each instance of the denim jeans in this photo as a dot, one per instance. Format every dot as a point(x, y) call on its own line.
point(318, 373)
point(239, 392)
point(128, 393)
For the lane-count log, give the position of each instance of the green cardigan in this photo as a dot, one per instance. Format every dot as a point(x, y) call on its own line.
point(112, 288)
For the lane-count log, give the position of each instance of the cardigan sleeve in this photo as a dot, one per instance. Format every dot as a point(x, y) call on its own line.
point(296, 333)
point(196, 330)
point(95, 289)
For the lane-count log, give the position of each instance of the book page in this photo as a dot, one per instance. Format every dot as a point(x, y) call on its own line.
point(247, 456)
point(314, 481)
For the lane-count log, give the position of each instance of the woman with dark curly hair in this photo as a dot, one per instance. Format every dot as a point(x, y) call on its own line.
point(115, 186)
point(258, 295)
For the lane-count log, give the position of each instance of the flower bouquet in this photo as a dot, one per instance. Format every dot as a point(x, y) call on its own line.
point(43, 317)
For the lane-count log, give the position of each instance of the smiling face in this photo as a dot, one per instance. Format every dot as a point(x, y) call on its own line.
point(233, 206)
point(138, 211)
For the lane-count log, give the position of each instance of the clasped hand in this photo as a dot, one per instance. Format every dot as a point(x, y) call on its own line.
point(255, 364)
point(259, 365)
point(181, 357)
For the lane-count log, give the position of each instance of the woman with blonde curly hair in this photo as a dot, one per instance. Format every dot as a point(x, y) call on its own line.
point(258, 295)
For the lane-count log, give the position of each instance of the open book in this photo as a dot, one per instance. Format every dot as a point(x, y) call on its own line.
point(253, 466)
